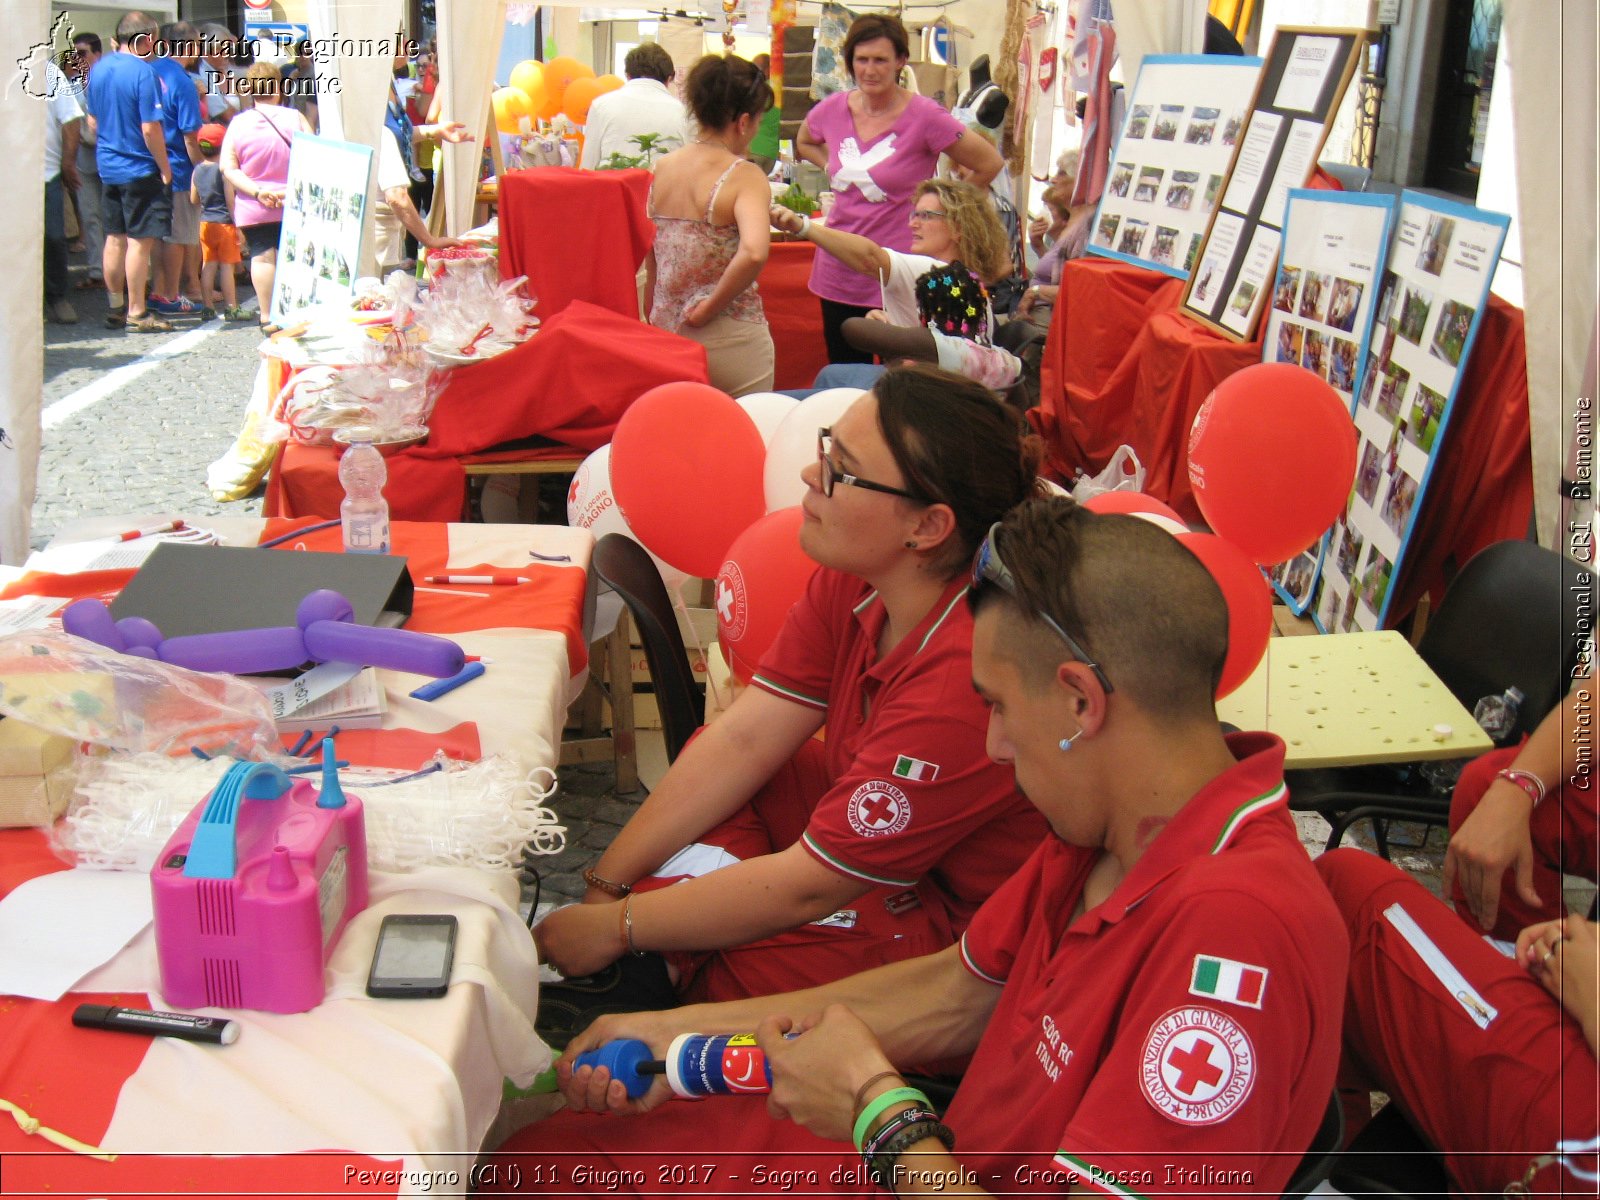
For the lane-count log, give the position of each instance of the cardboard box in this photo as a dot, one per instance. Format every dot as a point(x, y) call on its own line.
point(36, 776)
point(695, 625)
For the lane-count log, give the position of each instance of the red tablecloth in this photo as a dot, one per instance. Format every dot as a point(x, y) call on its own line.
point(793, 314)
point(571, 383)
point(1122, 366)
point(576, 235)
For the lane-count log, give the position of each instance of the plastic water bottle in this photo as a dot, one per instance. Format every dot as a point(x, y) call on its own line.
point(1497, 715)
point(364, 513)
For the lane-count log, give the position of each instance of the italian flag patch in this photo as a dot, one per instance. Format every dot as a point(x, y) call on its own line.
point(906, 767)
point(1224, 979)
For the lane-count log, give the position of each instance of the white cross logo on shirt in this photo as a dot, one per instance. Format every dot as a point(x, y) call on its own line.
point(856, 167)
point(724, 600)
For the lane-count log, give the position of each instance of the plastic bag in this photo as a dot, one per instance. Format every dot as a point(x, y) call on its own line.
point(84, 691)
point(1124, 473)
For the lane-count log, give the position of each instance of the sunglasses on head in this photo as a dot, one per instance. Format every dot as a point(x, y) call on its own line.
point(987, 567)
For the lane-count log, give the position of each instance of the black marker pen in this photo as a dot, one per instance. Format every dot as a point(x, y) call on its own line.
point(156, 1024)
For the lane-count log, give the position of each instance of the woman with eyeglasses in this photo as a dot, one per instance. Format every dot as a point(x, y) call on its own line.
point(877, 142)
point(953, 224)
point(794, 861)
point(709, 205)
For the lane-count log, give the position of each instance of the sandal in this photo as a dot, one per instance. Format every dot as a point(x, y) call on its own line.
point(116, 318)
point(148, 322)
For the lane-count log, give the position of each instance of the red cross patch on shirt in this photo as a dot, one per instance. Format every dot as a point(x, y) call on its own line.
point(877, 808)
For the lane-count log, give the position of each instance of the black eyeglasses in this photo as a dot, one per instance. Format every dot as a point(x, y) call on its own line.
point(987, 567)
point(832, 474)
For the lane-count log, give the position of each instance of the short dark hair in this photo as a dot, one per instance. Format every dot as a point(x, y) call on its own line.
point(179, 39)
point(133, 25)
point(648, 61)
point(1130, 593)
point(721, 89)
point(91, 40)
point(956, 443)
point(869, 29)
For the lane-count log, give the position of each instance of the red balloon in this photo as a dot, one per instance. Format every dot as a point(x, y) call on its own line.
point(1133, 503)
point(765, 574)
point(1249, 605)
point(686, 467)
point(1271, 458)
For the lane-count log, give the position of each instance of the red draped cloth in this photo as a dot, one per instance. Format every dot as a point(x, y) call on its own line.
point(793, 315)
point(1122, 366)
point(569, 383)
point(576, 235)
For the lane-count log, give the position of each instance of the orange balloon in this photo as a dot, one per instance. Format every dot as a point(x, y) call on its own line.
point(510, 104)
point(609, 83)
point(558, 73)
point(579, 95)
point(528, 76)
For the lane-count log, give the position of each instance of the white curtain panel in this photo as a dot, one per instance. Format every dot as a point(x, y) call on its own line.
point(322, 17)
point(469, 48)
point(22, 117)
point(1553, 98)
point(364, 82)
point(1157, 27)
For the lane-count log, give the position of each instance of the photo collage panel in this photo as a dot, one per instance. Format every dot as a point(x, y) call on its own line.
point(1171, 159)
point(1319, 315)
point(1440, 265)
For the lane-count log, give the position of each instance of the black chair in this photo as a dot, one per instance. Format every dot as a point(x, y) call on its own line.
point(625, 566)
point(1390, 1158)
point(1512, 617)
point(1319, 1159)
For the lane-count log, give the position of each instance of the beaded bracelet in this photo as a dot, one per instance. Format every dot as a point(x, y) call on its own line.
point(1530, 783)
point(881, 1165)
point(885, 1132)
point(619, 890)
point(871, 1112)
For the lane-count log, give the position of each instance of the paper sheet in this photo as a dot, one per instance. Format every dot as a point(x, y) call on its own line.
point(57, 928)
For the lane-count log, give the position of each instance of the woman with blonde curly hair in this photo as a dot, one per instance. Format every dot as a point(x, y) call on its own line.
point(954, 225)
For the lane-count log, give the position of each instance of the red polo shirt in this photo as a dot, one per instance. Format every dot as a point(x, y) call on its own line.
point(914, 797)
point(1180, 1037)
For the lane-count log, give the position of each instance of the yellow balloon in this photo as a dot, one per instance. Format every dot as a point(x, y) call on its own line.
point(510, 104)
point(528, 75)
point(609, 83)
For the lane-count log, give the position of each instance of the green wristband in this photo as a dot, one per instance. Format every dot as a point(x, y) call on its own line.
point(875, 1107)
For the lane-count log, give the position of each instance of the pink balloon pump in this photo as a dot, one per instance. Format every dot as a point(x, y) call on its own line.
point(324, 631)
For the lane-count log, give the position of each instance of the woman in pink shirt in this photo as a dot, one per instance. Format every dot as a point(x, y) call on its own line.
point(255, 159)
point(877, 142)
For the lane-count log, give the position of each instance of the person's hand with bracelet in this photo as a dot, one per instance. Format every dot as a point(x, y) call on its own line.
point(824, 1078)
point(582, 938)
point(1493, 838)
point(591, 1089)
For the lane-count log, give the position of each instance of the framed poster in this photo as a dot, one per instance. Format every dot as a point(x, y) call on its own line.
point(324, 220)
point(1179, 133)
point(1436, 278)
point(1297, 95)
point(1319, 315)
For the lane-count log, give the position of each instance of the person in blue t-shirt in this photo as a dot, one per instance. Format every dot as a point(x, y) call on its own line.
point(136, 196)
point(181, 118)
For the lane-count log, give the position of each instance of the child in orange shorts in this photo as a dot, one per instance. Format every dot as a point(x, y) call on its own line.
point(219, 240)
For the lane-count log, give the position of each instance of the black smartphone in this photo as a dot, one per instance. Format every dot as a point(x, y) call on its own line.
point(413, 957)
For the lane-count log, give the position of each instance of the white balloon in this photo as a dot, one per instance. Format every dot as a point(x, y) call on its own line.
point(794, 445)
point(592, 505)
point(767, 410)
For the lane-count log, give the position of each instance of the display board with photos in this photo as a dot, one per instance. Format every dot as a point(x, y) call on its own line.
point(1320, 316)
point(324, 220)
point(1435, 283)
point(1297, 95)
point(1176, 141)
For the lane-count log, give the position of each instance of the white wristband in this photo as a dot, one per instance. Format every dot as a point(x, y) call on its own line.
point(805, 226)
